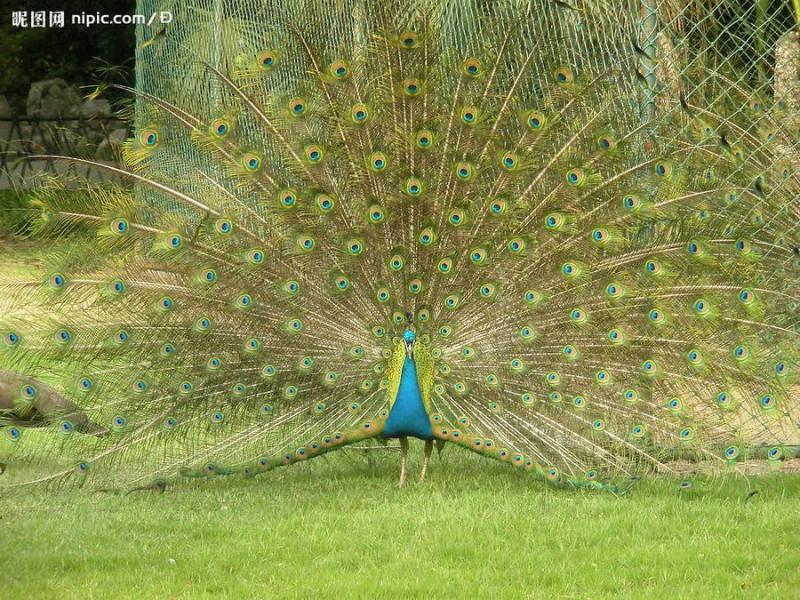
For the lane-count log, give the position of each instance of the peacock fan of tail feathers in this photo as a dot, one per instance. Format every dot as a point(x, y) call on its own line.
point(428, 223)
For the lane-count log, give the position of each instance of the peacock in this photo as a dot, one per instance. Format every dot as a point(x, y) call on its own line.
point(498, 225)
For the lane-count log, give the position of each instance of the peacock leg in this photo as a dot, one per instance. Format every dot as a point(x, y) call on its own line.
point(439, 446)
point(426, 460)
point(403, 461)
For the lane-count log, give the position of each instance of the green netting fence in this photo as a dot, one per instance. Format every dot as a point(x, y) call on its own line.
point(728, 56)
point(690, 45)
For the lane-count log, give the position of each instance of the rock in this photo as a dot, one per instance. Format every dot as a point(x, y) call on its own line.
point(53, 98)
point(668, 69)
point(786, 82)
point(5, 108)
point(45, 406)
point(96, 108)
point(111, 143)
point(5, 126)
point(787, 72)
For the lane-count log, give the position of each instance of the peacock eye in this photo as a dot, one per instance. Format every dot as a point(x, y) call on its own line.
point(297, 107)
point(339, 69)
point(412, 87)
point(408, 40)
point(149, 138)
point(266, 60)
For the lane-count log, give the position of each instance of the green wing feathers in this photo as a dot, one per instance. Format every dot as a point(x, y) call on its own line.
point(593, 293)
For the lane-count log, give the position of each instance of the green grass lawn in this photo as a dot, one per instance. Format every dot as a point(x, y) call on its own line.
point(336, 527)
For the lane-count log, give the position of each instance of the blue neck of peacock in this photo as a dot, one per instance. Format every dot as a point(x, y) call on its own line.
point(408, 416)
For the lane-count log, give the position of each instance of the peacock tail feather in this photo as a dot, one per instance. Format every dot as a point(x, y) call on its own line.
point(592, 290)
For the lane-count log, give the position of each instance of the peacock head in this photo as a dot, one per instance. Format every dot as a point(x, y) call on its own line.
point(409, 337)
